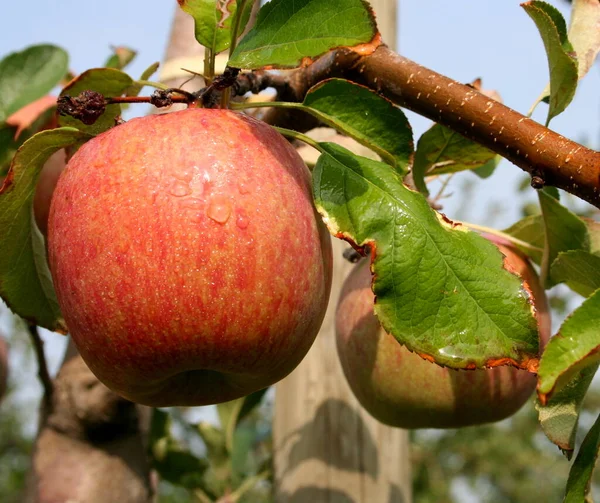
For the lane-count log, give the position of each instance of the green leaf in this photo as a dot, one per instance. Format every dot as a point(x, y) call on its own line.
point(580, 476)
point(371, 120)
point(560, 416)
point(8, 147)
point(575, 347)
point(218, 455)
point(584, 33)
point(250, 403)
point(580, 270)
point(172, 463)
point(438, 286)
point(228, 414)
point(151, 70)
point(213, 21)
point(25, 283)
point(231, 413)
point(441, 151)
point(107, 81)
point(121, 58)
point(563, 229)
point(28, 75)
point(289, 33)
point(488, 168)
point(529, 230)
point(561, 59)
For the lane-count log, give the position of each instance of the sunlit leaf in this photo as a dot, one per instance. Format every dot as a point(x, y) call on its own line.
point(584, 33)
point(439, 286)
point(358, 112)
point(290, 33)
point(575, 347)
point(560, 52)
point(213, 21)
point(25, 283)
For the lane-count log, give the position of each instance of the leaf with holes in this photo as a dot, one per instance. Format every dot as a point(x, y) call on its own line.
point(288, 33)
point(575, 347)
point(25, 282)
point(441, 289)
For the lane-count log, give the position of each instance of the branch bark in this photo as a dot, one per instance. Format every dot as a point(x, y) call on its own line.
point(89, 447)
point(551, 158)
point(43, 374)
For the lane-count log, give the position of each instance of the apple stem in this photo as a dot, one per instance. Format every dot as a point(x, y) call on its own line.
point(209, 65)
point(301, 137)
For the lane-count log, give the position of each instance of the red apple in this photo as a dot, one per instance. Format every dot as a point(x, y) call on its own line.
point(188, 260)
point(3, 366)
point(401, 389)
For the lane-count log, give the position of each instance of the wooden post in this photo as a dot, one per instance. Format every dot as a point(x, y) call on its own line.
point(327, 448)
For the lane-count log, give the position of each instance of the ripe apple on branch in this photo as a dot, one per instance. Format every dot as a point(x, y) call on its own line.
point(189, 256)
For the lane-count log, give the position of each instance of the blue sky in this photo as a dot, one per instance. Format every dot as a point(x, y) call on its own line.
point(463, 39)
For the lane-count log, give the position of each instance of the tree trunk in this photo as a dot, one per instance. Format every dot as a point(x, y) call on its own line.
point(90, 445)
point(327, 448)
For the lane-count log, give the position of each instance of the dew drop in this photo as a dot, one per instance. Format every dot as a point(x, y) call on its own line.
point(219, 210)
point(180, 189)
point(243, 188)
point(242, 220)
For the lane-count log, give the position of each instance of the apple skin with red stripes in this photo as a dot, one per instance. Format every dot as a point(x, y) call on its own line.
point(188, 259)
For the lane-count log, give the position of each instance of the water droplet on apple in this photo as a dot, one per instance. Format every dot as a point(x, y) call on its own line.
point(219, 209)
point(242, 220)
point(180, 189)
point(243, 188)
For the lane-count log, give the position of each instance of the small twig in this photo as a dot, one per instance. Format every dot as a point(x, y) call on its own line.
point(443, 188)
point(43, 374)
